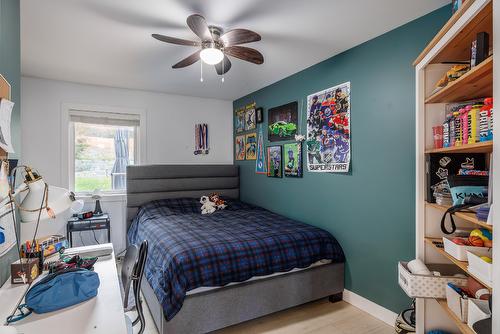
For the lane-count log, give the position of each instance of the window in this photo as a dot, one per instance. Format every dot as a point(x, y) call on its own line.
point(101, 146)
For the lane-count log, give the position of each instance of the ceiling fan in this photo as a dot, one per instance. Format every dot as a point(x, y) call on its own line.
point(215, 45)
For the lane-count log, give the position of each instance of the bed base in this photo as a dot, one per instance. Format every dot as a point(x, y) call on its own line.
point(215, 309)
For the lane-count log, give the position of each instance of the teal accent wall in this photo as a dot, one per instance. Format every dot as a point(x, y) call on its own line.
point(371, 210)
point(10, 68)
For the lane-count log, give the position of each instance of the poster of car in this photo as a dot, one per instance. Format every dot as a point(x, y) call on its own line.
point(328, 130)
point(251, 146)
point(274, 161)
point(292, 153)
point(250, 120)
point(240, 120)
point(282, 122)
point(239, 146)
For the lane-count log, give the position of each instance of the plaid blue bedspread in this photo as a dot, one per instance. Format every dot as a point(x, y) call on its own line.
point(188, 250)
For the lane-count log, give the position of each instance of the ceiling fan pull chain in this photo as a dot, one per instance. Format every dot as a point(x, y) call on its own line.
point(223, 69)
point(201, 71)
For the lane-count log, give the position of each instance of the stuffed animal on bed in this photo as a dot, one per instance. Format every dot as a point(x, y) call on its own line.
point(207, 206)
point(219, 202)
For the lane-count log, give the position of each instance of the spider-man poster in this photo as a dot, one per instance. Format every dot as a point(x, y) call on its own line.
point(328, 130)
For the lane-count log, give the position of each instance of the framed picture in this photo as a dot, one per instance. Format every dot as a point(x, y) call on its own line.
point(293, 159)
point(250, 117)
point(259, 115)
point(251, 146)
point(274, 161)
point(239, 146)
point(282, 122)
point(240, 120)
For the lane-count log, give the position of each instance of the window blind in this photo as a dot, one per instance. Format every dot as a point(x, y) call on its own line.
point(104, 118)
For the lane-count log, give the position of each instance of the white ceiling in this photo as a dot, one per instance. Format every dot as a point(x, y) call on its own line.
point(108, 42)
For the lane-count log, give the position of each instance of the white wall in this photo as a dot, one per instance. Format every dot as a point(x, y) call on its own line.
point(169, 136)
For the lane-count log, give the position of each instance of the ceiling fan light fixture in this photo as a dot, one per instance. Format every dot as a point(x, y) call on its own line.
point(211, 56)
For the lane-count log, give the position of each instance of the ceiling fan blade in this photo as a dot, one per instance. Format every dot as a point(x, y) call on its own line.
point(199, 26)
point(189, 60)
point(239, 36)
point(245, 53)
point(224, 66)
point(173, 40)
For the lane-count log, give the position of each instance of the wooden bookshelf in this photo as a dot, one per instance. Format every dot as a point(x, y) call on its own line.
point(476, 83)
point(463, 327)
point(451, 45)
point(461, 264)
point(457, 15)
point(482, 147)
point(458, 48)
point(468, 216)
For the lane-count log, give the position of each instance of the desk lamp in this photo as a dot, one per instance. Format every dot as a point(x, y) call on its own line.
point(41, 202)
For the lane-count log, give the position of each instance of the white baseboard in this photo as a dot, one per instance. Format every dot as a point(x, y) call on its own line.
point(370, 307)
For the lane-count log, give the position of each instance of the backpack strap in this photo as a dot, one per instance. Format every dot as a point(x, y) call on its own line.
point(451, 211)
point(24, 311)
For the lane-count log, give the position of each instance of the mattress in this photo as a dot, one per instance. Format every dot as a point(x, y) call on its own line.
point(188, 250)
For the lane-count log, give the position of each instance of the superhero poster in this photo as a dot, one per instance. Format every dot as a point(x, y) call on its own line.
point(239, 147)
point(251, 146)
point(328, 130)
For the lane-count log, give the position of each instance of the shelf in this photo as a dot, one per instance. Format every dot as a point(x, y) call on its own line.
point(465, 5)
point(458, 48)
point(470, 217)
point(482, 147)
point(464, 328)
point(461, 264)
point(476, 83)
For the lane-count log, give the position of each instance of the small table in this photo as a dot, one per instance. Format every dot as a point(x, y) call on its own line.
point(95, 223)
point(103, 314)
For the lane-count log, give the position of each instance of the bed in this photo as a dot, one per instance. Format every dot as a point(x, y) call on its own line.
point(209, 272)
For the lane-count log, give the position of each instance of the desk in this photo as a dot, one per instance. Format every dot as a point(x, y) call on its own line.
point(100, 315)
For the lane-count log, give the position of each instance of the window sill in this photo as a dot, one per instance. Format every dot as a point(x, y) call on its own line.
point(111, 197)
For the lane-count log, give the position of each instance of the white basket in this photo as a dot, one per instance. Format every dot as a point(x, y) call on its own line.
point(478, 310)
point(457, 303)
point(480, 268)
point(459, 252)
point(422, 286)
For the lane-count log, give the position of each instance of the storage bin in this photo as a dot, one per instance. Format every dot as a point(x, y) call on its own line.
point(480, 268)
point(456, 303)
point(459, 252)
point(422, 286)
point(477, 310)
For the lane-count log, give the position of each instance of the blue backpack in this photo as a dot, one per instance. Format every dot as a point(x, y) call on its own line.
point(62, 289)
point(58, 290)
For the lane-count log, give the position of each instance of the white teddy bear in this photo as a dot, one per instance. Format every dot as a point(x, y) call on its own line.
point(208, 206)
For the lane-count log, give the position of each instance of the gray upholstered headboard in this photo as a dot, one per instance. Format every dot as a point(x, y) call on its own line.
point(151, 182)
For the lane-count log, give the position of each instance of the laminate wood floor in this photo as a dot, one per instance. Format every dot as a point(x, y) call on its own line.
point(321, 317)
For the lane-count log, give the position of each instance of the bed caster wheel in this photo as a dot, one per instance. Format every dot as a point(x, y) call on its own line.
point(335, 298)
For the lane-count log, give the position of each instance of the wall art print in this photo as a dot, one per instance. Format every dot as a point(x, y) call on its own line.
point(274, 161)
point(292, 156)
point(328, 130)
point(250, 120)
point(239, 146)
point(260, 163)
point(282, 122)
point(251, 146)
point(240, 120)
